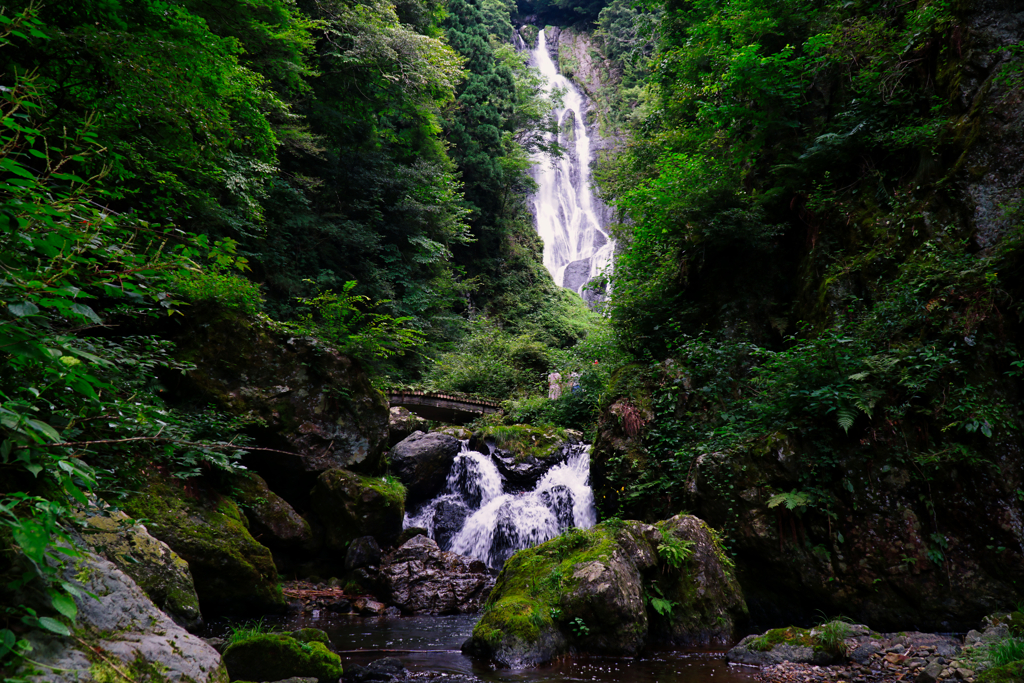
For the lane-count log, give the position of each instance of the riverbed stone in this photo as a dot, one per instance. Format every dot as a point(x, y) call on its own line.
point(349, 506)
point(378, 671)
point(420, 578)
point(422, 462)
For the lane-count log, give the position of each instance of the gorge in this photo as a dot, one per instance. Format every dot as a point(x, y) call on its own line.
point(717, 305)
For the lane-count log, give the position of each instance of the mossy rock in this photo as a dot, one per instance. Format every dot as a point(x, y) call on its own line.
point(151, 563)
point(233, 574)
point(311, 635)
point(1007, 673)
point(349, 505)
point(586, 590)
point(271, 518)
point(525, 441)
point(274, 657)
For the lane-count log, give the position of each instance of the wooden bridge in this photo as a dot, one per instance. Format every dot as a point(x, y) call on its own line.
point(443, 407)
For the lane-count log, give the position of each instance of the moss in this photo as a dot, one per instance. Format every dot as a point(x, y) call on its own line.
point(392, 490)
point(533, 580)
point(782, 636)
point(524, 441)
point(274, 657)
point(1007, 673)
point(231, 571)
point(311, 635)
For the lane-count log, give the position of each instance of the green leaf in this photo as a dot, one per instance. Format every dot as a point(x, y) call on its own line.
point(65, 605)
point(54, 626)
point(20, 310)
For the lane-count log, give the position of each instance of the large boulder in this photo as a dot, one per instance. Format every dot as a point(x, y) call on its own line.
point(272, 521)
point(402, 422)
point(233, 573)
point(120, 635)
point(275, 657)
point(420, 578)
point(422, 462)
point(349, 505)
point(313, 401)
point(362, 552)
point(151, 563)
point(585, 590)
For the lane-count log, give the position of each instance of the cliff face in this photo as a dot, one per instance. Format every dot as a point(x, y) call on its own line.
point(904, 512)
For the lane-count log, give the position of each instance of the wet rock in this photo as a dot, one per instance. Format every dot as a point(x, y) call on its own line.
point(311, 635)
point(368, 607)
point(151, 563)
point(232, 572)
point(380, 670)
point(402, 423)
point(363, 552)
point(314, 401)
point(116, 618)
point(409, 533)
point(422, 462)
point(862, 654)
point(449, 517)
point(349, 506)
point(597, 602)
point(420, 578)
point(523, 471)
point(275, 657)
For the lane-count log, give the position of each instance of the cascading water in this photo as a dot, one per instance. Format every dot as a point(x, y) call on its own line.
point(577, 247)
point(481, 515)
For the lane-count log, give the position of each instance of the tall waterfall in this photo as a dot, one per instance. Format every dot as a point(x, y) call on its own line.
point(483, 515)
point(576, 244)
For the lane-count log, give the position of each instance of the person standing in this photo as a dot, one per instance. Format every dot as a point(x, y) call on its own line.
point(554, 385)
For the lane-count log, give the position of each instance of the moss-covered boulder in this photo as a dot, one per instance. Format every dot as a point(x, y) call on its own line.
point(523, 453)
point(313, 400)
point(311, 635)
point(603, 590)
point(349, 505)
point(151, 563)
point(1007, 673)
point(274, 657)
point(272, 521)
point(119, 635)
point(233, 573)
point(402, 422)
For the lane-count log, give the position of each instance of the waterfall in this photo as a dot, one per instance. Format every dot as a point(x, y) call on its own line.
point(483, 516)
point(576, 245)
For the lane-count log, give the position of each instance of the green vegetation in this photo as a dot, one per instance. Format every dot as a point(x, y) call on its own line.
point(274, 656)
point(827, 636)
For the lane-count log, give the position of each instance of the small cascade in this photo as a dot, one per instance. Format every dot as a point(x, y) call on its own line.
point(577, 246)
point(481, 516)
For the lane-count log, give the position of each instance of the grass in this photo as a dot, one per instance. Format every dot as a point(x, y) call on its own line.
point(247, 630)
point(1007, 651)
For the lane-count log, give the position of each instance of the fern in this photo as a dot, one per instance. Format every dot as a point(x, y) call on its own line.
point(792, 500)
point(845, 415)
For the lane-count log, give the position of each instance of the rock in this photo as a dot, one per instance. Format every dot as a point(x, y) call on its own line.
point(930, 673)
point(311, 635)
point(383, 670)
point(402, 423)
point(272, 521)
point(368, 607)
point(780, 645)
point(422, 462)
point(118, 629)
point(349, 506)
point(410, 532)
point(233, 574)
point(523, 471)
point(449, 517)
point(585, 590)
point(274, 657)
point(420, 578)
point(154, 567)
point(314, 401)
point(362, 552)
point(862, 654)
point(340, 606)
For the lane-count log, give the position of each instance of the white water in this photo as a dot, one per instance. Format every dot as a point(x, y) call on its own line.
point(576, 245)
point(497, 522)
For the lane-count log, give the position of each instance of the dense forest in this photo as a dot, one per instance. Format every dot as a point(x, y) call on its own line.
point(816, 289)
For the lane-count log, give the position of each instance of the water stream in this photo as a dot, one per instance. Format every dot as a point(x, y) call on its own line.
point(483, 515)
point(577, 247)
